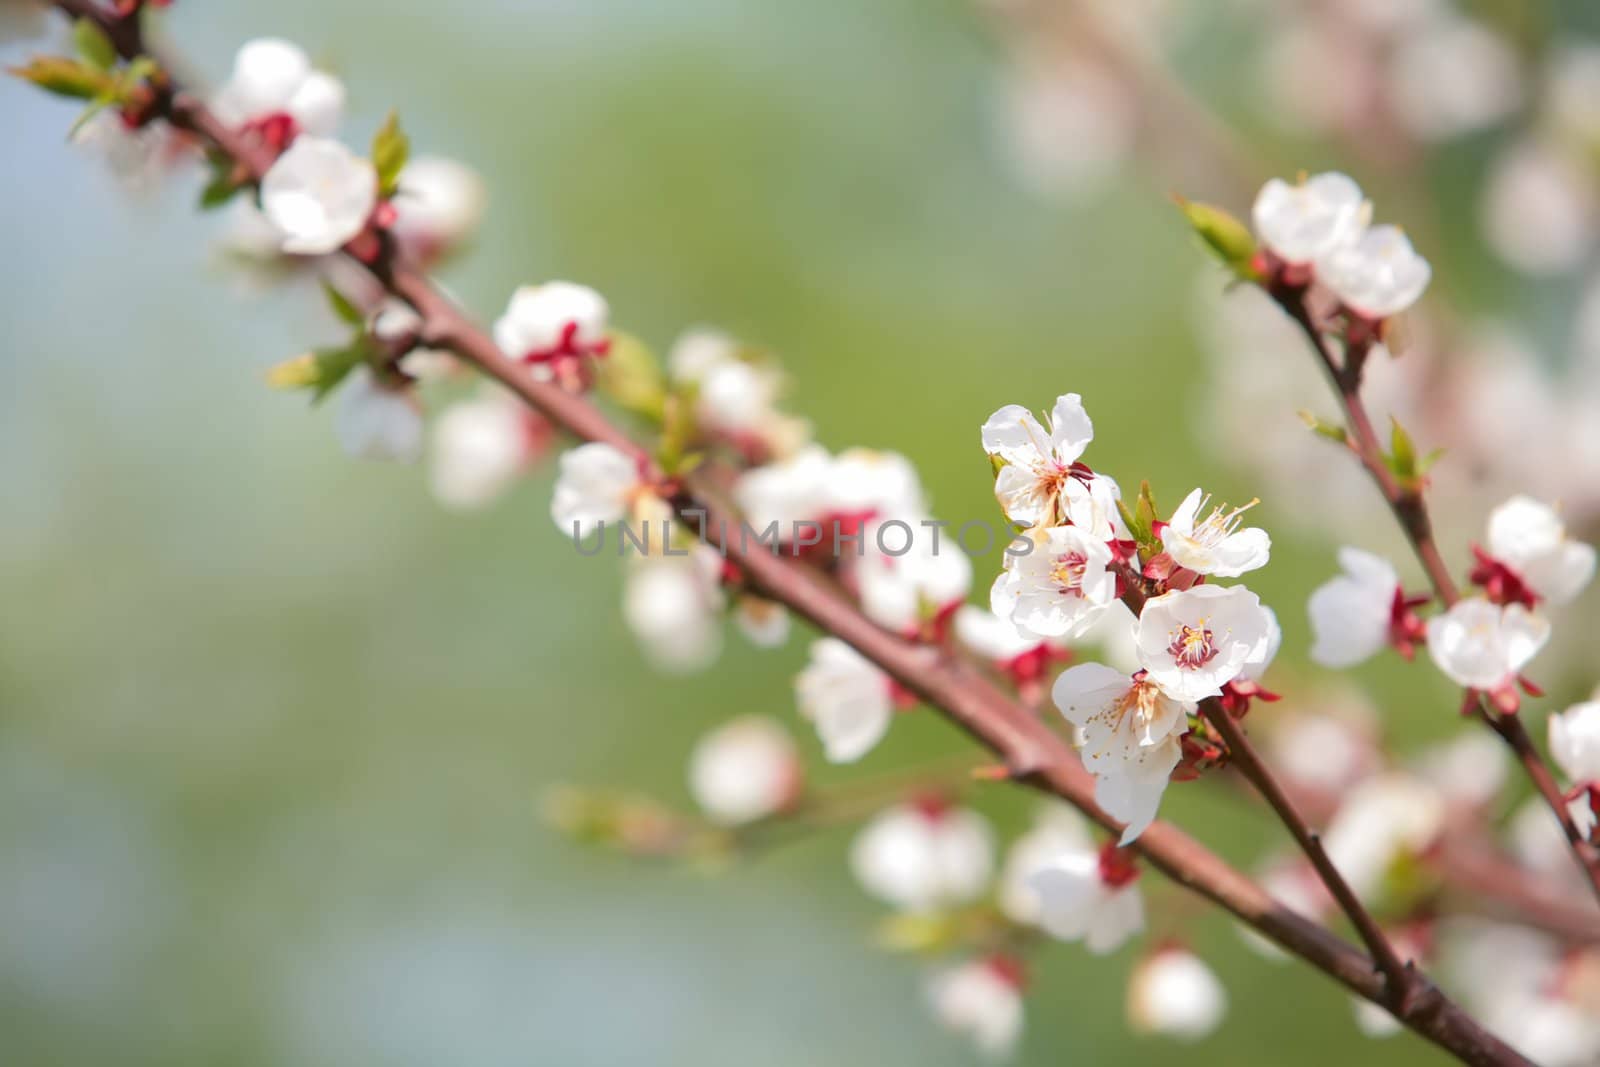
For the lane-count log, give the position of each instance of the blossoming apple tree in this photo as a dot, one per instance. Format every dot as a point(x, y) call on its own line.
point(1120, 649)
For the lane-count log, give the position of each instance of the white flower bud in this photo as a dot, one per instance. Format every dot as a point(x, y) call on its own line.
point(924, 856)
point(274, 77)
point(1172, 992)
point(1378, 275)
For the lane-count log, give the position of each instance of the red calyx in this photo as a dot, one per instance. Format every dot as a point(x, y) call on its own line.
point(1590, 792)
point(1117, 866)
point(1237, 694)
point(931, 804)
point(1406, 630)
point(276, 131)
point(1009, 969)
point(1500, 583)
point(1199, 755)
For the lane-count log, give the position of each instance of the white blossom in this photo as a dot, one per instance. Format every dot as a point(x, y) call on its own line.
point(1032, 486)
point(1056, 829)
point(1378, 275)
point(1214, 545)
point(1060, 587)
point(544, 323)
point(1452, 77)
point(1484, 646)
point(1467, 771)
point(1378, 822)
point(1575, 741)
point(1173, 993)
point(275, 77)
point(735, 393)
point(1530, 538)
point(437, 206)
point(318, 195)
point(921, 857)
point(787, 492)
point(673, 606)
point(1082, 897)
point(1194, 641)
point(745, 770)
point(1306, 221)
point(868, 483)
point(374, 420)
point(480, 446)
point(926, 583)
point(1130, 735)
point(846, 697)
point(1350, 614)
point(1539, 210)
point(981, 999)
point(597, 483)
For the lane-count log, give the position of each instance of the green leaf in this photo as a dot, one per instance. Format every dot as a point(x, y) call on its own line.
point(1425, 464)
point(64, 77)
point(631, 376)
point(1402, 453)
point(1223, 235)
point(223, 185)
point(343, 309)
point(390, 150)
point(320, 370)
point(1323, 428)
point(93, 45)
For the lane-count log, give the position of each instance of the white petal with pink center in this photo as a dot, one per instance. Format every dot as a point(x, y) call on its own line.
point(982, 1001)
point(1484, 646)
point(1060, 587)
point(1077, 904)
point(1301, 222)
point(923, 857)
point(745, 770)
point(1350, 614)
point(272, 76)
point(1173, 993)
point(1214, 545)
point(597, 483)
point(1530, 538)
point(1038, 463)
point(1194, 641)
point(553, 318)
point(847, 699)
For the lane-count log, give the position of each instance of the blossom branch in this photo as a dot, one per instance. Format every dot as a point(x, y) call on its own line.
point(1032, 753)
point(1411, 511)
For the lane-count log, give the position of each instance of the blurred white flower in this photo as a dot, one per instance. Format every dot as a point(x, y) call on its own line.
point(375, 420)
point(1173, 993)
point(1539, 211)
point(547, 325)
point(848, 699)
point(1575, 741)
point(597, 483)
point(1033, 486)
point(1130, 734)
point(1068, 125)
point(983, 1000)
point(673, 606)
point(274, 78)
point(480, 447)
point(1378, 275)
point(925, 855)
point(1378, 822)
point(1530, 538)
point(1194, 641)
point(437, 207)
point(1351, 615)
point(1323, 752)
point(745, 770)
point(865, 483)
point(1090, 895)
point(1304, 222)
point(926, 585)
point(1056, 829)
point(1453, 76)
point(735, 395)
point(1467, 771)
point(784, 493)
point(1214, 545)
point(1060, 587)
point(318, 195)
point(1484, 646)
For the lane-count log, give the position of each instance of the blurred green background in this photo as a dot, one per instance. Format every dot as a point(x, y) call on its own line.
point(273, 727)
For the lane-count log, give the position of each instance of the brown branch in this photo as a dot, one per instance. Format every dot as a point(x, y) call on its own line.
point(1029, 749)
point(1411, 511)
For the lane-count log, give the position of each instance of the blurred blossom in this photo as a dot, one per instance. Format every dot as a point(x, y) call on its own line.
point(848, 699)
point(1173, 993)
point(924, 855)
point(438, 206)
point(1379, 822)
point(481, 446)
point(745, 770)
point(1315, 76)
point(1539, 208)
point(1453, 76)
point(983, 999)
point(1468, 771)
point(1327, 752)
point(673, 605)
point(377, 420)
point(1056, 829)
point(273, 77)
point(1069, 126)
